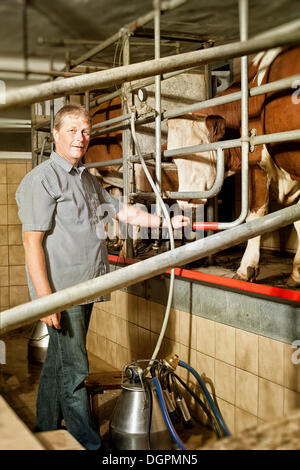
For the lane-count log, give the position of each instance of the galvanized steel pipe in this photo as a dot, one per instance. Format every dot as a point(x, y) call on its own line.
point(278, 85)
point(134, 87)
point(213, 191)
point(156, 4)
point(285, 136)
point(243, 19)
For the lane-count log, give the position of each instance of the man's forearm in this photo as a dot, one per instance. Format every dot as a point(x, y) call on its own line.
point(135, 216)
point(35, 261)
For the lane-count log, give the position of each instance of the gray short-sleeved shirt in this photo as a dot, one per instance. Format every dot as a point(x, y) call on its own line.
point(67, 203)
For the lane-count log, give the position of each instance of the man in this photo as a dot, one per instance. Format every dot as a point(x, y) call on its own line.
point(59, 203)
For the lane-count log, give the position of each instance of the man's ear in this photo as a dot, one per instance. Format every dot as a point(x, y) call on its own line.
point(54, 132)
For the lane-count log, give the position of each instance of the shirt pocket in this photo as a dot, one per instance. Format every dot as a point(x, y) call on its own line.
point(67, 209)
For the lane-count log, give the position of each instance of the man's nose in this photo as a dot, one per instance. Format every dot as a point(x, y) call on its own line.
point(79, 135)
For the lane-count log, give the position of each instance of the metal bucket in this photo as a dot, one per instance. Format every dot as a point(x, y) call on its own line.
point(129, 426)
point(38, 343)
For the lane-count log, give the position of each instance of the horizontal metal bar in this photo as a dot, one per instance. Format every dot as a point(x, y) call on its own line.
point(11, 155)
point(119, 161)
point(144, 195)
point(105, 98)
point(139, 122)
point(136, 86)
point(185, 151)
point(236, 96)
point(138, 272)
point(15, 124)
point(286, 136)
point(121, 118)
point(117, 75)
point(51, 73)
point(277, 85)
point(224, 144)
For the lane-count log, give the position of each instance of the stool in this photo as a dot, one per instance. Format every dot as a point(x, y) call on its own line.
point(96, 383)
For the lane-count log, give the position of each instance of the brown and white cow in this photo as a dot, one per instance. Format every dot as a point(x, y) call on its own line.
point(273, 166)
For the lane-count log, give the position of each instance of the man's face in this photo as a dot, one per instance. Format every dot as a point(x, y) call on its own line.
point(72, 139)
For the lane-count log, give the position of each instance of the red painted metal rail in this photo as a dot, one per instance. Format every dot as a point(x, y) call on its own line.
point(235, 284)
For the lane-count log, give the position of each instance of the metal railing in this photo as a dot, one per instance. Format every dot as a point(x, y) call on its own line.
point(129, 275)
point(288, 34)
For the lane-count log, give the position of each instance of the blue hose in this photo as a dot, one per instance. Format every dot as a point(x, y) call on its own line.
point(166, 415)
point(209, 398)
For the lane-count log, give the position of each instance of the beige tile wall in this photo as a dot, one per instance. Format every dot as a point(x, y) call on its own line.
point(13, 284)
point(253, 377)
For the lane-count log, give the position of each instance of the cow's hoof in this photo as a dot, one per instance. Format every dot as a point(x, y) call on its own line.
point(252, 274)
point(291, 283)
point(238, 277)
point(142, 249)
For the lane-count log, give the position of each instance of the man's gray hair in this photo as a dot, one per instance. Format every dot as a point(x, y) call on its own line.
point(70, 109)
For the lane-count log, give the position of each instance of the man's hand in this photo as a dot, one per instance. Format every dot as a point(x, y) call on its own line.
point(179, 221)
point(52, 320)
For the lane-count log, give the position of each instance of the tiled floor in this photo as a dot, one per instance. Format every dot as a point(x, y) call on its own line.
point(19, 378)
point(19, 384)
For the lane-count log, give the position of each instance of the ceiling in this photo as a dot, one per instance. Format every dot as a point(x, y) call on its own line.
point(40, 34)
point(44, 30)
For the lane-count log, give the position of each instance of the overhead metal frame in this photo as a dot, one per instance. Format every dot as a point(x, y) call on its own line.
point(287, 34)
point(243, 142)
point(159, 116)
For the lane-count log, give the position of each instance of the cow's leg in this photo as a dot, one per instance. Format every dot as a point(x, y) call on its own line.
point(249, 267)
point(294, 280)
point(258, 202)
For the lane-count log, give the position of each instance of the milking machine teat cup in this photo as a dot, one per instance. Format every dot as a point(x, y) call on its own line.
point(151, 407)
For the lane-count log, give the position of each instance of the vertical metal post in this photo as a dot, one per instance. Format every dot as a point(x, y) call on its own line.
point(126, 142)
point(156, 6)
point(68, 63)
point(87, 101)
point(34, 140)
point(51, 116)
point(25, 37)
point(211, 203)
point(51, 124)
point(243, 20)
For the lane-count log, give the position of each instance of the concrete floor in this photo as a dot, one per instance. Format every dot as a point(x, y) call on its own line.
point(19, 379)
point(19, 385)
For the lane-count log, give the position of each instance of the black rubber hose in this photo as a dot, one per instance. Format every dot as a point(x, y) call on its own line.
point(175, 388)
point(203, 406)
point(148, 386)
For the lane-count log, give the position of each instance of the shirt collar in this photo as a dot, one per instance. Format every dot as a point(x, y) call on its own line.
point(67, 166)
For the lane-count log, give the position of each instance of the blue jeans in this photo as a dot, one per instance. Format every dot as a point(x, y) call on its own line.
point(62, 394)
